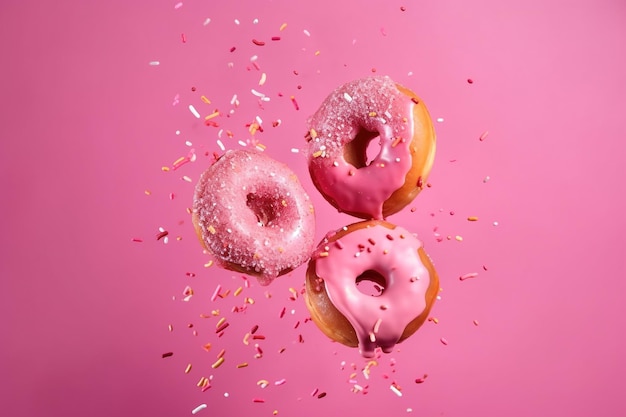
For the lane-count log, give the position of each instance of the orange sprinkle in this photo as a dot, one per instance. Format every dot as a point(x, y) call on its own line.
point(317, 154)
point(220, 322)
point(202, 382)
point(211, 229)
point(165, 169)
point(396, 141)
point(283, 26)
point(218, 363)
point(208, 264)
point(205, 100)
point(147, 192)
point(212, 115)
point(317, 53)
point(188, 368)
point(237, 291)
point(323, 254)
point(472, 218)
point(242, 365)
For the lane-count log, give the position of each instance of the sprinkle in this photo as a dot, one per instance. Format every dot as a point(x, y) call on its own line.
point(475, 322)
point(321, 395)
point(236, 21)
point(395, 390)
point(396, 141)
point(258, 43)
point(347, 97)
point(472, 219)
point(256, 93)
point(377, 325)
point(178, 5)
point(258, 400)
point(282, 27)
point(307, 33)
point(154, 63)
point(323, 254)
point(459, 238)
point(258, 337)
point(483, 136)
point(470, 81)
point(263, 383)
point(216, 292)
point(280, 381)
point(237, 291)
point(222, 328)
point(193, 111)
point(182, 37)
point(161, 235)
point(444, 341)
point(495, 223)
point(487, 178)
point(242, 365)
point(198, 408)
point(263, 78)
point(295, 150)
point(188, 368)
point(282, 313)
point(218, 363)
point(440, 119)
point(186, 178)
point(207, 21)
point(167, 354)
point(207, 347)
point(212, 115)
point(421, 380)
point(295, 103)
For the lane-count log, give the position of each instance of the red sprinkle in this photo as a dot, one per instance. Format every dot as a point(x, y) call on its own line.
point(161, 235)
point(321, 395)
point(254, 329)
point(414, 100)
point(258, 400)
point(222, 327)
point(258, 43)
point(470, 81)
point(232, 49)
point(258, 337)
point(282, 312)
point(136, 239)
point(167, 354)
point(295, 103)
point(275, 38)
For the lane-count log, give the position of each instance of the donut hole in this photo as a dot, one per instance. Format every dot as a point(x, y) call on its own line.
point(363, 149)
point(371, 283)
point(266, 208)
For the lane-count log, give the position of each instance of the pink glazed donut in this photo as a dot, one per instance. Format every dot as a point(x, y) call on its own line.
point(339, 134)
point(253, 215)
point(378, 253)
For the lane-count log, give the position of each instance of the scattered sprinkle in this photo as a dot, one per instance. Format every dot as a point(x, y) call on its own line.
point(167, 354)
point(193, 111)
point(306, 32)
point(257, 42)
point(484, 135)
point(198, 408)
point(154, 63)
point(395, 390)
point(440, 120)
point(468, 276)
point(218, 363)
point(444, 341)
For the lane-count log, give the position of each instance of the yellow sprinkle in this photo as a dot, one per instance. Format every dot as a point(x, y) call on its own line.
point(206, 100)
point(262, 383)
point(435, 320)
point(147, 192)
point(472, 218)
point(261, 146)
point(202, 381)
point(165, 169)
point(372, 114)
point(218, 363)
point(208, 264)
point(211, 229)
point(293, 292)
point(317, 53)
point(323, 254)
point(179, 238)
point(352, 376)
point(215, 313)
point(237, 291)
point(242, 365)
point(212, 115)
point(188, 368)
point(248, 300)
point(283, 26)
point(189, 210)
point(220, 322)
point(313, 133)
point(179, 160)
point(246, 339)
point(284, 203)
point(317, 154)
point(459, 238)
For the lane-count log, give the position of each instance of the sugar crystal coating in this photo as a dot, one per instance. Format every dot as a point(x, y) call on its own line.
point(254, 215)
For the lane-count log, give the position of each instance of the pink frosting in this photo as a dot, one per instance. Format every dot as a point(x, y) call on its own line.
point(373, 104)
point(254, 213)
point(377, 320)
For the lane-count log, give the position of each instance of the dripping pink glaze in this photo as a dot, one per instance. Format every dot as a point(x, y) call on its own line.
point(225, 200)
point(341, 116)
point(404, 296)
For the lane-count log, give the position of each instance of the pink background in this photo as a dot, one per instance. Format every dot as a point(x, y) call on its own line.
point(87, 125)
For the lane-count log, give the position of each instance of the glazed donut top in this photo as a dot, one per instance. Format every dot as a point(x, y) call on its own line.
point(392, 253)
point(376, 106)
point(253, 213)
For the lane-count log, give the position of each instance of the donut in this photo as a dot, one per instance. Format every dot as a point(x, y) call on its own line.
point(251, 212)
point(394, 262)
point(339, 134)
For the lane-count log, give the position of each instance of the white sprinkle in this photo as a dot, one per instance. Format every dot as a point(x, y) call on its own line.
point(263, 78)
point(193, 111)
point(397, 159)
point(253, 58)
point(295, 150)
point(161, 229)
point(207, 21)
point(347, 97)
point(395, 390)
point(335, 164)
point(409, 410)
point(259, 120)
point(357, 387)
point(255, 21)
point(440, 119)
point(265, 99)
point(410, 73)
point(233, 100)
point(256, 93)
point(293, 312)
point(219, 134)
point(242, 143)
point(221, 145)
point(154, 63)
point(198, 408)
point(307, 33)
point(495, 223)
point(487, 178)
point(188, 143)
point(178, 5)
point(236, 21)
point(177, 132)
point(260, 147)
point(226, 394)
point(165, 240)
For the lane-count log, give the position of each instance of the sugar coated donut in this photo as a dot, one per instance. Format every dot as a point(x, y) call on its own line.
point(253, 215)
point(370, 252)
point(339, 134)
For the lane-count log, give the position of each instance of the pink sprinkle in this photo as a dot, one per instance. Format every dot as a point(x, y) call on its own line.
point(314, 393)
point(216, 292)
point(280, 381)
point(484, 136)
point(178, 5)
point(182, 37)
point(485, 267)
point(295, 103)
point(258, 43)
point(475, 322)
point(136, 239)
point(468, 276)
point(444, 341)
